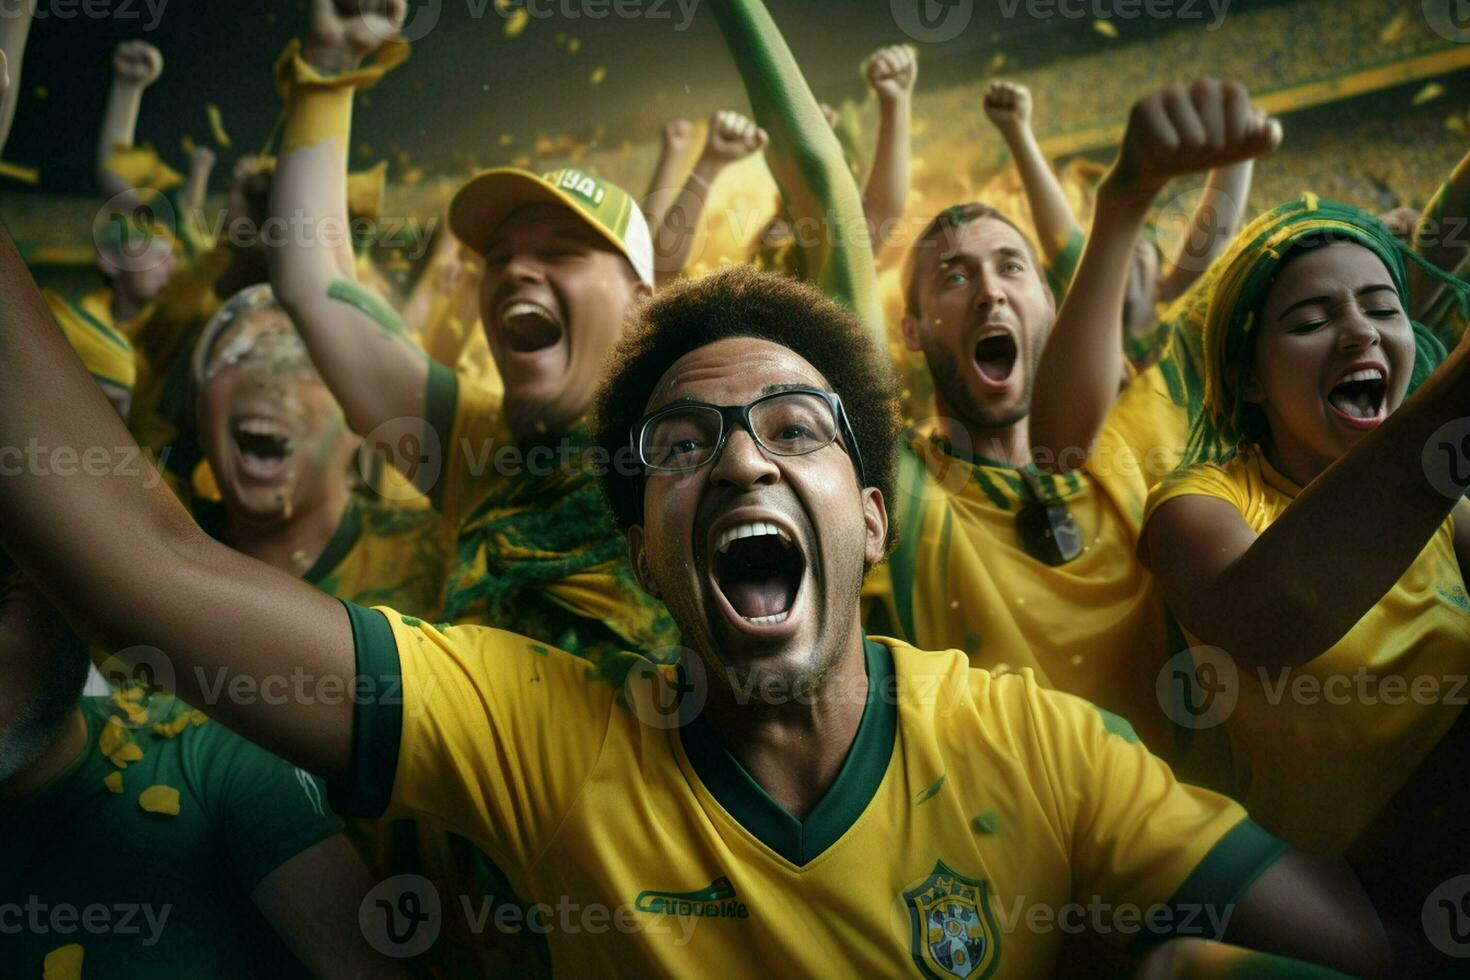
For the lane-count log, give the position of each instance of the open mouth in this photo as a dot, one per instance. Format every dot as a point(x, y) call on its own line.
point(1359, 396)
point(529, 327)
point(263, 445)
point(759, 569)
point(995, 357)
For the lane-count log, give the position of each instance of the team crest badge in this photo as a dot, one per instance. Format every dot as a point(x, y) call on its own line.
point(952, 931)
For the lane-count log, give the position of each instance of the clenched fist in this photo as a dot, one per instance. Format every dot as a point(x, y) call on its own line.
point(732, 137)
point(678, 133)
point(1008, 105)
point(1185, 129)
point(891, 72)
point(343, 32)
point(137, 62)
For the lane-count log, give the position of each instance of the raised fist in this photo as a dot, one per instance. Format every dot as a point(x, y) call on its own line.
point(1008, 105)
point(678, 133)
point(732, 137)
point(891, 71)
point(1186, 129)
point(137, 62)
point(202, 158)
point(352, 29)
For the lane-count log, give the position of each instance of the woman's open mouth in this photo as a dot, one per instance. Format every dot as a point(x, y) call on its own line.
point(758, 570)
point(1359, 398)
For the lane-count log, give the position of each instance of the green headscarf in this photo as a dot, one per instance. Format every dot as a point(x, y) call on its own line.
point(1238, 283)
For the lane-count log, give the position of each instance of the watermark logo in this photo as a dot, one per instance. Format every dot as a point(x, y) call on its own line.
point(1450, 19)
point(409, 445)
point(129, 230)
point(1446, 917)
point(1198, 688)
point(1446, 458)
point(663, 698)
point(401, 916)
point(932, 21)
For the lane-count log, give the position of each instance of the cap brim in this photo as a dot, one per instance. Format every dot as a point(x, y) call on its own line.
point(482, 205)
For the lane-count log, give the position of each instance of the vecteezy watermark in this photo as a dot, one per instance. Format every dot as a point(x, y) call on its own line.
point(1446, 458)
point(1183, 10)
point(1199, 687)
point(932, 21)
point(37, 918)
point(424, 15)
point(1450, 19)
point(1446, 917)
point(402, 916)
point(126, 10)
point(38, 459)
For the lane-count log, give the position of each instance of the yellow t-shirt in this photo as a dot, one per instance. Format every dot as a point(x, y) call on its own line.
point(1315, 753)
point(961, 576)
point(967, 803)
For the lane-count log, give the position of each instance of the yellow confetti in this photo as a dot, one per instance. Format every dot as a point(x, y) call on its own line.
point(996, 63)
point(63, 963)
point(160, 799)
point(412, 176)
point(1105, 28)
point(523, 161)
point(198, 717)
point(171, 729)
point(517, 23)
point(502, 5)
point(598, 74)
point(1428, 93)
point(136, 693)
point(506, 139)
point(113, 781)
point(217, 125)
point(574, 45)
point(113, 736)
point(42, 91)
point(1456, 125)
point(1393, 31)
point(128, 753)
point(26, 175)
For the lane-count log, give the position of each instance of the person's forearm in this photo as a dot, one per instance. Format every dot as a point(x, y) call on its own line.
point(1344, 541)
point(192, 199)
point(1077, 378)
point(86, 517)
point(1050, 213)
point(680, 224)
point(1442, 235)
point(886, 197)
point(1211, 229)
point(660, 186)
point(806, 160)
point(119, 128)
point(15, 28)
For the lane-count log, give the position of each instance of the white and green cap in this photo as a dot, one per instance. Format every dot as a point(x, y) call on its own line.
point(491, 196)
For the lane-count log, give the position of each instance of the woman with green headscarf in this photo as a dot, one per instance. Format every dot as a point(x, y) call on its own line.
point(1313, 545)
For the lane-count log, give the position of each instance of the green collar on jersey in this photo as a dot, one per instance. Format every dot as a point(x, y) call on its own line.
point(800, 841)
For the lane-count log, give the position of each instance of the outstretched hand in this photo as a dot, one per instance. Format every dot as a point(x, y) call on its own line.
point(732, 137)
point(1181, 130)
point(137, 63)
point(343, 32)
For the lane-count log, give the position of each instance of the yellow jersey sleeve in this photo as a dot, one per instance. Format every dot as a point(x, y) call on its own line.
point(1203, 480)
point(1139, 837)
point(486, 733)
point(466, 416)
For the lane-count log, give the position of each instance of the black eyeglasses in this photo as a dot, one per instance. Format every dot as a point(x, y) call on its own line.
point(793, 422)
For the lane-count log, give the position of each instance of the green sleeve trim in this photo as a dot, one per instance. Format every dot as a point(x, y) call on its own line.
point(343, 540)
point(441, 401)
point(1220, 879)
point(377, 717)
point(357, 295)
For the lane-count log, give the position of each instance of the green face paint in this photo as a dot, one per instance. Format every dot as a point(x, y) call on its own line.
point(367, 302)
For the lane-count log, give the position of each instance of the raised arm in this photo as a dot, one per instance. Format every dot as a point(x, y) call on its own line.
point(1172, 132)
point(1008, 107)
point(732, 137)
point(806, 160)
point(357, 342)
point(201, 165)
point(890, 73)
point(135, 66)
point(1442, 235)
point(678, 137)
point(15, 28)
point(1213, 225)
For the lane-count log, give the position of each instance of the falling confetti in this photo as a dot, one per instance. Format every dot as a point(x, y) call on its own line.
point(506, 139)
point(26, 175)
point(996, 63)
point(1105, 28)
point(64, 963)
point(187, 145)
point(1456, 125)
point(113, 781)
point(160, 799)
point(1393, 31)
point(517, 23)
point(217, 125)
point(1428, 93)
point(598, 74)
point(574, 45)
point(128, 753)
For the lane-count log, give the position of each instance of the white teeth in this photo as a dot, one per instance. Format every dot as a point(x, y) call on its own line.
point(524, 309)
point(779, 617)
point(750, 529)
point(262, 427)
point(1367, 374)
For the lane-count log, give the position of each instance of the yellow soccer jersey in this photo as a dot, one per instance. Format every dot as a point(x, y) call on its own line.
point(1316, 752)
point(963, 577)
point(968, 806)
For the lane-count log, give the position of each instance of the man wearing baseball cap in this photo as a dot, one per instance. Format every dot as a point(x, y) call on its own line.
point(514, 476)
